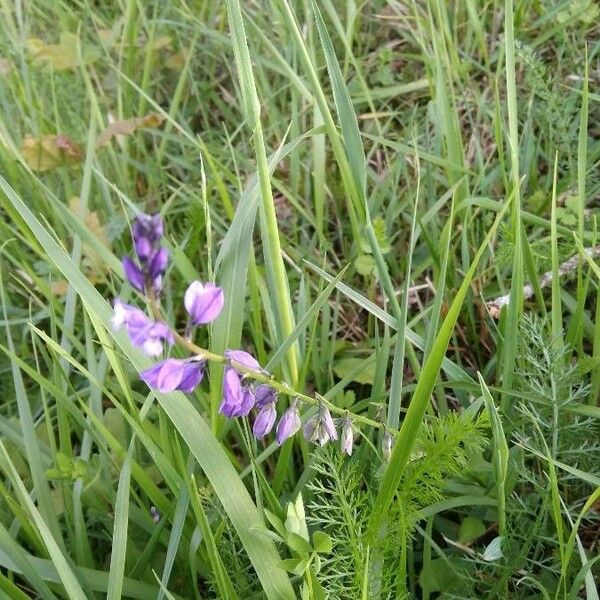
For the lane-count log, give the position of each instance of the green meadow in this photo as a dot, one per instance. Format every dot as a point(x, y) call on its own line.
point(299, 299)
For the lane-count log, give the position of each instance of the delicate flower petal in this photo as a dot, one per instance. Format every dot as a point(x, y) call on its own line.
point(232, 393)
point(243, 358)
point(264, 420)
point(288, 424)
point(311, 429)
point(120, 315)
point(192, 376)
point(346, 437)
point(159, 263)
point(149, 227)
point(204, 302)
point(150, 376)
point(134, 274)
point(152, 347)
point(247, 403)
point(327, 422)
point(264, 395)
point(143, 248)
point(170, 375)
point(174, 374)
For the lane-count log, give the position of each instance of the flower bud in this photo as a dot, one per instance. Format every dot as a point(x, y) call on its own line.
point(346, 437)
point(264, 420)
point(288, 424)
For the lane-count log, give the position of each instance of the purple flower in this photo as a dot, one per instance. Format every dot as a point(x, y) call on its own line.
point(148, 228)
point(264, 420)
point(244, 359)
point(143, 249)
point(204, 302)
point(134, 274)
point(147, 232)
point(158, 264)
point(174, 374)
point(193, 372)
point(288, 424)
point(265, 395)
point(346, 437)
point(248, 401)
point(320, 428)
point(142, 331)
point(233, 395)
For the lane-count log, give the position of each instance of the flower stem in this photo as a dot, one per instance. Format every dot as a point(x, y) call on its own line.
point(281, 388)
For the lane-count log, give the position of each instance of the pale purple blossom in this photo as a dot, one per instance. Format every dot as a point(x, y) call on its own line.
point(347, 437)
point(320, 428)
point(244, 359)
point(264, 395)
point(134, 274)
point(152, 258)
point(233, 394)
point(142, 331)
point(289, 423)
point(265, 419)
point(174, 374)
point(204, 302)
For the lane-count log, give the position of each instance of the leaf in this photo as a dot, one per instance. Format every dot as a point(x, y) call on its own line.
point(298, 543)
point(50, 151)
point(127, 127)
point(355, 370)
point(322, 542)
point(365, 265)
point(470, 529)
point(297, 566)
point(61, 56)
point(437, 577)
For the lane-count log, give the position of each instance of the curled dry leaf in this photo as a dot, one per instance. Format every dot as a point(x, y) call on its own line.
point(127, 127)
point(50, 151)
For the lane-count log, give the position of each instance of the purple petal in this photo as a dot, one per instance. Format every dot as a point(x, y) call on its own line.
point(143, 248)
point(134, 274)
point(288, 424)
point(247, 403)
point(264, 395)
point(264, 421)
point(171, 374)
point(148, 226)
point(159, 263)
point(244, 359)
point(193, 372)
point(232, 393)
point(204, 302)
point(150, 376)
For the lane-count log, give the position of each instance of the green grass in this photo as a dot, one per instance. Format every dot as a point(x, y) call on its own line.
point(363, 181)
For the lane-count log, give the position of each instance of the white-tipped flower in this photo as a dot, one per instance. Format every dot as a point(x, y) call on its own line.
point(347, 437)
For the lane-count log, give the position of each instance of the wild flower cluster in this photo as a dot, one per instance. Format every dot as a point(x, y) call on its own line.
point(204, 303)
